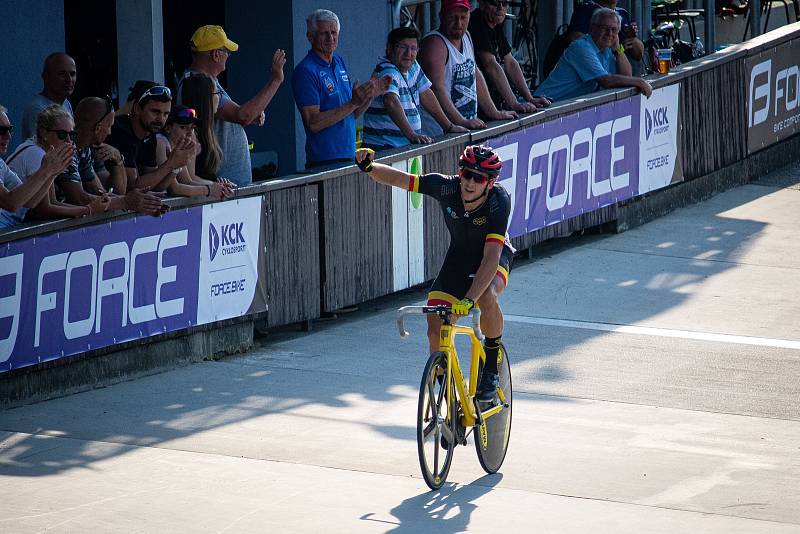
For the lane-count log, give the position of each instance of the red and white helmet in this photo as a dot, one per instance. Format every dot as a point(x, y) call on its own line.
point(482, 159)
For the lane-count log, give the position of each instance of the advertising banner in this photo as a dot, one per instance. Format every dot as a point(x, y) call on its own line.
point(579, 163)
point(100, 285)
point(659, 139)
point(773, 86)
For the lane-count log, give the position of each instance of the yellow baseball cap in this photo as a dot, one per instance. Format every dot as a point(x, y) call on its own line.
point(207, 38)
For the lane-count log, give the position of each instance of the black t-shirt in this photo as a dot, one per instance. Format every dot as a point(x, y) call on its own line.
point(138, 153)
point(486, 39)
point(469, 231)
point(492, 40)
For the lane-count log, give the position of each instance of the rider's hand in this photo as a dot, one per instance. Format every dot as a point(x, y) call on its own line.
point(364, 157)
point(463, 306)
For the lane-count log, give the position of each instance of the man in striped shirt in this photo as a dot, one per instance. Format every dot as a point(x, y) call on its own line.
point(393, 119)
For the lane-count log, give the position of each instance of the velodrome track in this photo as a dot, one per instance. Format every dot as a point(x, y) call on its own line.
point(656, 378)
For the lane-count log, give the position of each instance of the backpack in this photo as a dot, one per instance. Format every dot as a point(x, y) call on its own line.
point(555, 50)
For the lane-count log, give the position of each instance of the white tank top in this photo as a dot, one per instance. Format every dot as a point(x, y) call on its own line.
point(459, 75)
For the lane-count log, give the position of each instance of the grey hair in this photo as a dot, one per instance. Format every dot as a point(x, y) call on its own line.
point(49, 116)
point(3, 109)
point(602, 13)
point(321, 15)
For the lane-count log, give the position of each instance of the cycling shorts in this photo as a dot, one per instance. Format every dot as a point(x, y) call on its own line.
point(456, 275)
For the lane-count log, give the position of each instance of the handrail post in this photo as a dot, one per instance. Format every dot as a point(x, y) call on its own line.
point(755, 18)
point(710, 23)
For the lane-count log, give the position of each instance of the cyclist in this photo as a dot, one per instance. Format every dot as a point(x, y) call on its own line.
point(476, 267)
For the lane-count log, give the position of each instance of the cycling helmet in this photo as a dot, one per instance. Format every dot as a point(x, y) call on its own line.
point(481, 158)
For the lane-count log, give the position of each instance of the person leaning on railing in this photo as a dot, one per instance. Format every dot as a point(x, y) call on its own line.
point(56, 129)
point(594, 61)
point(394, 119)
point(180, 127)
point(16, 196)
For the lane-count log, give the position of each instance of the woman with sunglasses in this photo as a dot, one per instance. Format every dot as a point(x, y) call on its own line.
point(16, 195)
point(475, 270)
point(55, 130)
point(180, 131)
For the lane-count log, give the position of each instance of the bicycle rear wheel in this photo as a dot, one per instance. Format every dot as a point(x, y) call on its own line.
point(436, 418)
point(492, 450)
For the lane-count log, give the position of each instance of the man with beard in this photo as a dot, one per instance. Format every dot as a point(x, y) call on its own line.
point(58, 74)
point(134, 137)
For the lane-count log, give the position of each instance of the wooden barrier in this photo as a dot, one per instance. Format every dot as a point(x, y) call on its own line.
point(329, 234)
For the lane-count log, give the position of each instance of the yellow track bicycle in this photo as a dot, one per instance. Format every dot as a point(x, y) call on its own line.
point(448, 411)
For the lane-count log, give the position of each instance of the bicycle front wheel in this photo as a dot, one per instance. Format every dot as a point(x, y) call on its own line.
point(436, 422)
point(492, 445)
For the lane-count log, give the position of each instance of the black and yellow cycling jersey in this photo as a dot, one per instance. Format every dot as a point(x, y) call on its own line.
point(469, 233)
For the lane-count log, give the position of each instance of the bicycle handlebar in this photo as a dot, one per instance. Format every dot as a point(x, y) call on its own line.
point(408, 310)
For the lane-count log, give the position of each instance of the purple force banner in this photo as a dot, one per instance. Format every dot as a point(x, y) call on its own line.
point(597, 157)
point(101, 285)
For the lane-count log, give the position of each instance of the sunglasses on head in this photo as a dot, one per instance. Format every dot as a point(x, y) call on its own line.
point(155, 91)
point(109, 109)
point(499, 3)
point(6, 130)
point(64, 134)
point(467, 174)
point(188, 113)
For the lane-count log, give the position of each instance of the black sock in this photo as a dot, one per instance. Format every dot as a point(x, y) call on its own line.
point(492, 346)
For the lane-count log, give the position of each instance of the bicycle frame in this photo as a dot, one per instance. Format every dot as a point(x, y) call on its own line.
point(471, 415)
point(466, 393)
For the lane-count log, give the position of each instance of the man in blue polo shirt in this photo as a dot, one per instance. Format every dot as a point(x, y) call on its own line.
point(325, 96)
point(592, 62)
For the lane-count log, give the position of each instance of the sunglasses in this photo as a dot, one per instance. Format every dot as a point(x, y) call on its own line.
point(6, 130)
point(474, 176)
point(188, 113)
point(499, 3)
point(109, 109)
point(155, 91)
point(64, 134)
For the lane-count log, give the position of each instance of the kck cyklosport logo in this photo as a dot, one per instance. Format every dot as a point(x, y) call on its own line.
point(229, 238)
point(655, 122)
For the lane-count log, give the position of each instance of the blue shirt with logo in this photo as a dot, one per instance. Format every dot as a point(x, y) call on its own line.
point(327, 85)
point(577, 71)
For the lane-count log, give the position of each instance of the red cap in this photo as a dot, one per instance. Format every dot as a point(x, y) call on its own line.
point(447, 5)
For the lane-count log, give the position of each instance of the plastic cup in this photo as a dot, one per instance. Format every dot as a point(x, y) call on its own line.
point(664, 60)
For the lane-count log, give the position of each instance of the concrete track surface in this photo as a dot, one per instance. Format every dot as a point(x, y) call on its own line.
point(656, 387)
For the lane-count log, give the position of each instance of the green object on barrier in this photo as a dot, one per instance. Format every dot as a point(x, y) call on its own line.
point(416, 168)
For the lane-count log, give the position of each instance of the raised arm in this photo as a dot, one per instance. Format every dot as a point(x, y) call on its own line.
point(383, 174)
point(251, 112)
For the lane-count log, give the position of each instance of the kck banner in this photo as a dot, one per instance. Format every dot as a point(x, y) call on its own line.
point(773, 112)
point(579, 163)
point(100, 285)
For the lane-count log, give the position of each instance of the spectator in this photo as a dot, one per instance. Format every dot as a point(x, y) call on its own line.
point(448, 59)
point(199, 94)
point(180, 127)
point(493, 53)
point(327, 101)
point(581, 20)
point(393, 119)
point(210, 50)
point(79, 191)
point(16, 196)
point(139, 87)
point(593, 61)
point(135, 137)
point(59, 75)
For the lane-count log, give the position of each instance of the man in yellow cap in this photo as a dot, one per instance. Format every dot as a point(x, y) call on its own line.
point(210, 48)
